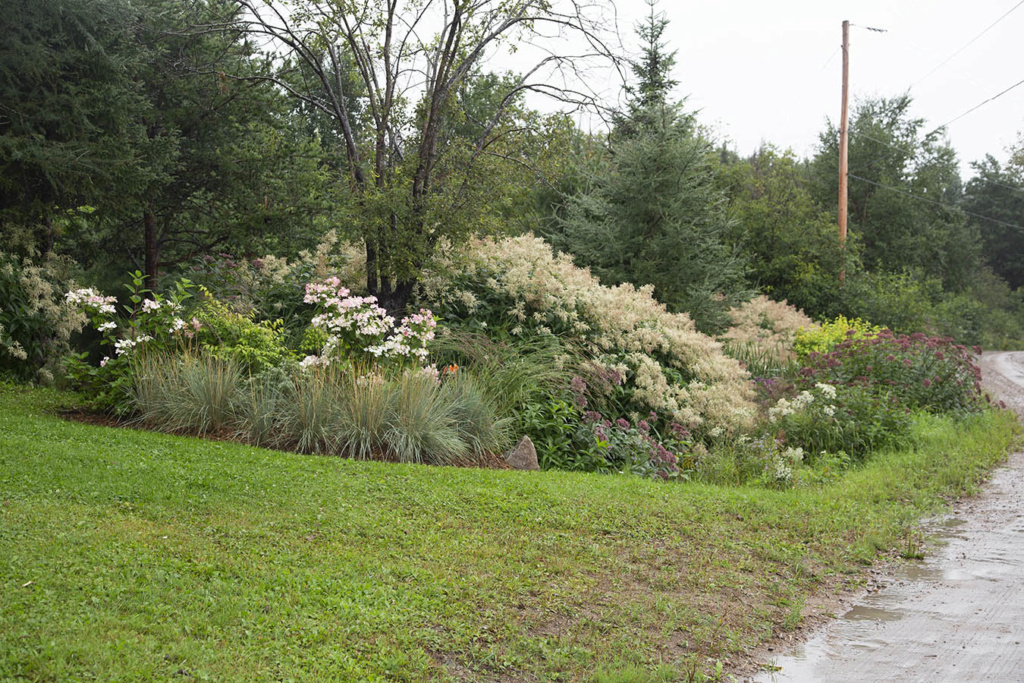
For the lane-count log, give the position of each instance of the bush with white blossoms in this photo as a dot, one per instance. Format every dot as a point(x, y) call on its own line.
point(151, 321)
point(356, 326)
point(847, 419)
point(662, 362)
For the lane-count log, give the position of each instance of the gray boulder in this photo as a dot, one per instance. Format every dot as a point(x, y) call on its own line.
point(523, 456)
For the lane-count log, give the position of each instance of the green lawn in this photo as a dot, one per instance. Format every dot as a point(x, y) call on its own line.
point(135, 556)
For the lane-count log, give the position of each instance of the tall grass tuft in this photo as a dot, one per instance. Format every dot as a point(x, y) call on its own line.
point(258, 406)
point(763, 359)
point(473, 410)
point(421, 426)
point(309, 416)
point(511, 373)
point(364, 409)
point(187, 392)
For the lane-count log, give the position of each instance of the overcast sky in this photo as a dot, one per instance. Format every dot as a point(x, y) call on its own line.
point(769, 70)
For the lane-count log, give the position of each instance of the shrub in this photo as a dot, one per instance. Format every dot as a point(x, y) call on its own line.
point(833, 419)
point(930, 373)
point(358, 329)
point(36, 323)
point(255, 346)
point(829, 334)
point(766, 328)
point(151, 322)
point(518, 288)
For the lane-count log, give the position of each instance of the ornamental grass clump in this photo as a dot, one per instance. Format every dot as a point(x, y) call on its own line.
point(518, 287)
point(930, 373)
point(184, 393)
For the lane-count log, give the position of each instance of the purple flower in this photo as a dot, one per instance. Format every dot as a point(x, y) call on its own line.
point(622, 423)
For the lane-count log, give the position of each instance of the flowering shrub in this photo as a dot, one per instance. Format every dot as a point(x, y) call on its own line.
point(826, 418)
point(637, 447)
point(271, 287)
point(518, 287)
point(568, 439)
point(35, 323)
point(828, 335)
point(931, 373)
point(768, 460)
point(357, 326)
point(767, 326)
point(151, 321)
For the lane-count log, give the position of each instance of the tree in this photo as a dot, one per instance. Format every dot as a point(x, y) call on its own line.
point(239, 174)
point(789, 240)
point(653, 213)
point(416, 184)
point(904, 190)
point(70, 110)
point(998, 193)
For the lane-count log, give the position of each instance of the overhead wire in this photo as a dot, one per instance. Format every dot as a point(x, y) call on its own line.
point(909, 152)
point(951, 207)
point(980, 105)
point(968, 44)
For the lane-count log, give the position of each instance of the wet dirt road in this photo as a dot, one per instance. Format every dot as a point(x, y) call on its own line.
point(956, 616)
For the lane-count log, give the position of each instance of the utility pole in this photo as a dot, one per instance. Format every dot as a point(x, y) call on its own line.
point(844, 146)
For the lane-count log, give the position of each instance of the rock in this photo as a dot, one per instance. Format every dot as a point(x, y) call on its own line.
point(523, 456)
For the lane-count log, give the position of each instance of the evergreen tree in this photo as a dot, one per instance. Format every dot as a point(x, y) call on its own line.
point(653, 213)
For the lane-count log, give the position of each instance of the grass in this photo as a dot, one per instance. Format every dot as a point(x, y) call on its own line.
point(137, 556)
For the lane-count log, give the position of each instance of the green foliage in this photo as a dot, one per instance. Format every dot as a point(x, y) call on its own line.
point(831, 333)
point(790, 241)
point(255, 346)
point(36, 323)
point(917, 371)
point(997, 192)
point(897, 230)
point(553, 427)
point(72, 131)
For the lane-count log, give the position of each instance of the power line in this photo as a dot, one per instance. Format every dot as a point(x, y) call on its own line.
point(978, 106)
point(910, 153)
point(942, 204)
point(968, 44)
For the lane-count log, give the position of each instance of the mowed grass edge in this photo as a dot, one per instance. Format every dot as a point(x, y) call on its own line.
point(135, 556)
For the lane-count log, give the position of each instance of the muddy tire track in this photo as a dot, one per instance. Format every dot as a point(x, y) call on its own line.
point(957, 616)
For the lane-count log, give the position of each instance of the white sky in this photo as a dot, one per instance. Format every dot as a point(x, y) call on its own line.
point(769, 70)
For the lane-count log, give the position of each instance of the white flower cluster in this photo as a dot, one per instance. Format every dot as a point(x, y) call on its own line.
point(784, 407)
point(827, 390)
point(359, 323)
point(90, 298)
point(123, 345)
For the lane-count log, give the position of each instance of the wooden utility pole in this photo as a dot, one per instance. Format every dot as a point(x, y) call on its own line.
point(844, 145)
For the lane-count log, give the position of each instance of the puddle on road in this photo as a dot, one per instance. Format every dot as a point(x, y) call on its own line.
point(868, 613)
point(860, 624)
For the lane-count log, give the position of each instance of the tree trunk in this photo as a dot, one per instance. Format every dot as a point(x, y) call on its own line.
point(396, 300)
point(152, 249)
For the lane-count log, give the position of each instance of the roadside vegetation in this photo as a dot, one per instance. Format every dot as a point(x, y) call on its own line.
point(320, 311)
